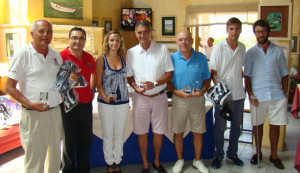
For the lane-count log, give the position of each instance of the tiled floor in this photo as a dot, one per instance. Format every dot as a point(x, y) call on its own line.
point(12, 162)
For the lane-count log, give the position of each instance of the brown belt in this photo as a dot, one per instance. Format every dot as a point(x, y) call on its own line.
point(153, 95)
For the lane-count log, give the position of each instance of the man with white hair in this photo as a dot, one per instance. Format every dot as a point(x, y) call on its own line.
point(34, 68)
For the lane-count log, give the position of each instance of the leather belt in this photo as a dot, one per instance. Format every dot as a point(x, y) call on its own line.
point(153, 95)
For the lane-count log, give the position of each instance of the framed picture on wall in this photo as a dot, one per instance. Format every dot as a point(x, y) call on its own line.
point(12, 43)
point(295, 44)
point(63, 9)
point(107, 24)
point(279, 17)
point(168, 26)
point(95, 22)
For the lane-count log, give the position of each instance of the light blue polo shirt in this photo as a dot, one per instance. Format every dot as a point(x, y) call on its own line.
point(266, 71)
point(189, 71)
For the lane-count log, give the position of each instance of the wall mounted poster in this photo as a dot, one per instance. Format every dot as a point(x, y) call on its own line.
point(70, 9)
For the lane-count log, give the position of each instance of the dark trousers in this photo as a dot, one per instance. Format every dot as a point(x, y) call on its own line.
point(219, 127)
point(78, 138)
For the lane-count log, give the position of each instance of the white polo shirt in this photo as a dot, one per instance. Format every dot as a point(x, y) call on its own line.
point(36, 74)
point(149, 65)
point(228, 64)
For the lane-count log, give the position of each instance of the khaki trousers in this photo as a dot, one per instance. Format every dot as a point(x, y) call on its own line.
point(40, 134)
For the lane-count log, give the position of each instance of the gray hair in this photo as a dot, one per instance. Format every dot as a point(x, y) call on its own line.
point(143, 23)
point(33, 27)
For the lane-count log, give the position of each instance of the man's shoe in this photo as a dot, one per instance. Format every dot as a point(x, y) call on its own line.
point(110, 168)
point(277, 162)
point(159, 169)
point(216, 163)
point(146, 170)
point(200, 166)
point(254, 160)
point(177, 168)
point(236, 160)
point(117, 168)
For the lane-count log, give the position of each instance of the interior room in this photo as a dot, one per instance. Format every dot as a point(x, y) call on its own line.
point(204, 19)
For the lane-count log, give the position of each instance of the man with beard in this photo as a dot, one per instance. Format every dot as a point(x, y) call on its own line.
point(266, 80)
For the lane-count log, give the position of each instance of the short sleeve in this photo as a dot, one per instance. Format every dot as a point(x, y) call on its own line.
point(168, 61)
point(129, 64)
point(16, 69)
point(248, 64)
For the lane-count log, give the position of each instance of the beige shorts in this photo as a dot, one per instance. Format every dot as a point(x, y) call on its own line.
point(276, 110)
point(192, 108)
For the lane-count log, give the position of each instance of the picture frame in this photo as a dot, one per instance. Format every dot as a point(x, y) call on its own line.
point(63, 9)
point(279, 17)
point(295, 44)
point(107, 24)
point(12, 43)
point(171, 45)
point(95, 22)
point(168, 26)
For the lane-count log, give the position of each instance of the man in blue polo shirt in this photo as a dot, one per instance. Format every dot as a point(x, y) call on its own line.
point(190, 73)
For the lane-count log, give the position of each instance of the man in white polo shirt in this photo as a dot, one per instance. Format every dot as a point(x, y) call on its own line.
point(34, 68)
point(226, 64)
point(149, 68)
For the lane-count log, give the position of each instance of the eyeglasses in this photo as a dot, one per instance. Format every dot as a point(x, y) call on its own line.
point(261, 32)
point(76, 38)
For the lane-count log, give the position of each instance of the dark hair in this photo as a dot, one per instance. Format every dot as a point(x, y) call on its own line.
point(77, 29)
point(105, 47)
point(212, 39)
point(233, 20)
point(261, 23)
point(143, 23)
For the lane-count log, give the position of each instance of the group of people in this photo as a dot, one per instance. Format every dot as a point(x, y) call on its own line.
point(149, 70)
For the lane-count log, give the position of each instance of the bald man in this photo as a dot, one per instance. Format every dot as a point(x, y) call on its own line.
point(190, 68)
point(34, 68)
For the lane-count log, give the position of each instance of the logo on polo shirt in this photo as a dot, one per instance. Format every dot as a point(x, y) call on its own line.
point(55, 61)
point(89, 64)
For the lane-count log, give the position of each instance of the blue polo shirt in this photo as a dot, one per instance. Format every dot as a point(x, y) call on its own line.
point(266, 71)
point(189, 71)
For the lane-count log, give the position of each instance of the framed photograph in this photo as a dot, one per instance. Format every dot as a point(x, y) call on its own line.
point(63, 9)
point(171, 45)
point(279, 16)
point(12, 43)
point(107, 24)
point(168, 26)
point(295, 44)
point(95, 22)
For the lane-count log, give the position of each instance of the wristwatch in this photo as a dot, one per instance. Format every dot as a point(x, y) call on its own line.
point(155, 84)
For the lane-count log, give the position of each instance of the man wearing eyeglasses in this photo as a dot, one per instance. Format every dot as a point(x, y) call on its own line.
point(77, 123)
point(266, 81)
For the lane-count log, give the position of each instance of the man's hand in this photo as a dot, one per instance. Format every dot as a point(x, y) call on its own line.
point(39, 106)
point(182, 94)
point(139, 89)
point(197, 93)
point(254, 100)
point(74, 77)
point(147, 85)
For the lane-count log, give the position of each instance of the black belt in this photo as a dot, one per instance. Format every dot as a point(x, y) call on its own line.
point(154, 95)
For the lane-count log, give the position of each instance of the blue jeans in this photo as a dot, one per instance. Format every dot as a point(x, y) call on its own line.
point(220, 125)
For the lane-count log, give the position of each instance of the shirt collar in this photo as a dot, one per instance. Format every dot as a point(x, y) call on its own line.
point(179, 56)
point(140, 49)
point(270, 46)
point(33, 51)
